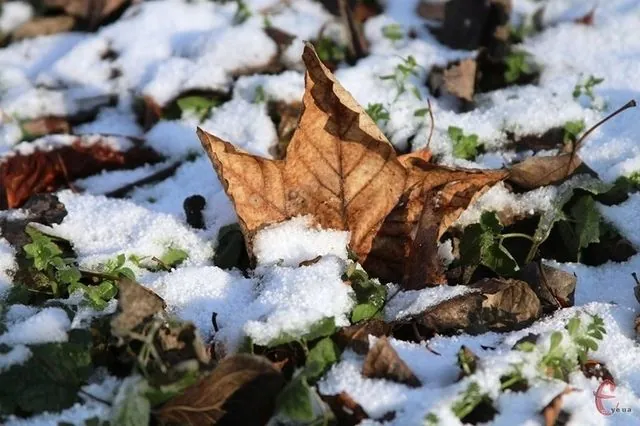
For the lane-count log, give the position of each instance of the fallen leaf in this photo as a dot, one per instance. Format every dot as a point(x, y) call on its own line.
point(91, 12)
point(431, 10)
point(498, 305)
point(383, 362)
point(597, 369)
point(242, 389)
point(356, 337)
point(347, 411)
point(586, 19)
point(46, 171)
point(42, 26)
point(33, 129)
point(339, 167)
point(554, 287)
point(457, 78)
point(455, 189)
point(135, 304)
point(553, 410)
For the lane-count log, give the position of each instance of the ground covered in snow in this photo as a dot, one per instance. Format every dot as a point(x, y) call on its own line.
point(162, 50)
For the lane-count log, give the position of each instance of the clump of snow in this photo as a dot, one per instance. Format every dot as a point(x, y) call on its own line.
point(48, 325)
point(7, 264)
point(624, 217)
point(412, 302)
point(13, 15)
point(51, 142)
point(195, 293)
point(111, 121)
point(286, 87)
point(17, 355)
point(173, 138)
point(297, 240)
point(291, 300)
point(100, 228)
point(109, 180)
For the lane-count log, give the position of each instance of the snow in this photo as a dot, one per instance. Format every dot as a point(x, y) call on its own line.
point(165, 48)
point(303, 243)
point(48, 325)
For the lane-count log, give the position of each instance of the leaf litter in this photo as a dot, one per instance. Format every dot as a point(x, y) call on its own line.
point(381, 225)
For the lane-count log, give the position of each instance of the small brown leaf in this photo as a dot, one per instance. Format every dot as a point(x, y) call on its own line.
point(459, 79)
point(431, 10)
point(597, 369)
point(553, 410)
point(356, 336)
point(241, 390)
point(383, 362)
point(135, 303)
point(35, 128)
point(347, 411)
point(535, 172)
point(499, 305)
point(586, 19)
point(555, 288)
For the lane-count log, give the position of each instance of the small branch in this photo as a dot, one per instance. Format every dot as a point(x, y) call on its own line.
point(516, 235)
point(157, 176)
point(95, 398)
point(433, 123)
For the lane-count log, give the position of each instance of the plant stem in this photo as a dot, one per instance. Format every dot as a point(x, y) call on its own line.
point(516, 235)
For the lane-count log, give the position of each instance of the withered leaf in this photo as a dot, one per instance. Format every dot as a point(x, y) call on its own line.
point(32, 129)
point(241, 390)
point(383, 362)
point(356, 336)
point(597, 369)
point(24, 175)
point(553, 410)
point(499, 305)
point(339, 167)
point(135, 303)
point(555, 288)
point(347, 411)
point(535, 172)
point(451, 189)
point(91, 11)
point(457, 79)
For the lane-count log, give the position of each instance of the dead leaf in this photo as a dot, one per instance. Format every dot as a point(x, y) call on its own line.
point(587, 19)
point(285, 116)
point(535, 172)
point(383, 362)
point(553, 410)
point(347, 411)
point(242, 389)
point(457, 79)
point(32, 129)
point(554, 287)
point(356, 337)
point(597, 369)
point(179, 342)
point(498, 305)
point(454, 190)
point(431, 10)
point(92, 12)
point(45, 171)
point(135, 304)
point(42, 26)
point(339, 167)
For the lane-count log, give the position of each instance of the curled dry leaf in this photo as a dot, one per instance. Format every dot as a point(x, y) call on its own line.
point(93, 12)
point(135, 304)
point(499, 304)
point(24, 175)
point(242, 389)
point(553, 410)
point(383, 362)
point(339, 167)
point(356, 337)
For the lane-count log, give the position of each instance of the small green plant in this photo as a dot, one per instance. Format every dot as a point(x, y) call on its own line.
point(378, 112)
point(518, 65)
point(405, 69)
point(572, 130)
point(431, 420)
point(199, 106)
point(421, 112)
point(329, 50)
point(586, 87)
point(464, 146)
point(64, 277)
point(242, 12)
point(471, 398)
point(393, 32)
point(171, 258)
point(370, 294)
point(559, 360)
point(260, 96)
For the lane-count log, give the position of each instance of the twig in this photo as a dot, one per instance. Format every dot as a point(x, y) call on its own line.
point(159, 175)
point(433, 123)
point(89, 395)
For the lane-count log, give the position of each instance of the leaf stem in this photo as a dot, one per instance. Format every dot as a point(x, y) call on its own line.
point(516, 235)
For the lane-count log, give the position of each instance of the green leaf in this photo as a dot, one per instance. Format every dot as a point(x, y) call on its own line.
point(421, 112)
point(294, 402)
point(498, 259)
point(556, 339)
point(377, 112)
point(464, 146)
point(200, 106)
point(161, 394)
point(324, 354)
point(572, 130)
point(526, 346)
point(50, 379)
point(587, 219)
point(173, 257)
point(480, 244)
point(393, 32)
point(130, 406)
point(573, 325)
point(364, 311)
point(324, 327)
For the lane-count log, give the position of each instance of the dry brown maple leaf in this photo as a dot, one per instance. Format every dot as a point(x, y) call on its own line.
point(383, 362)
point(339, 167)
point(241, 390)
